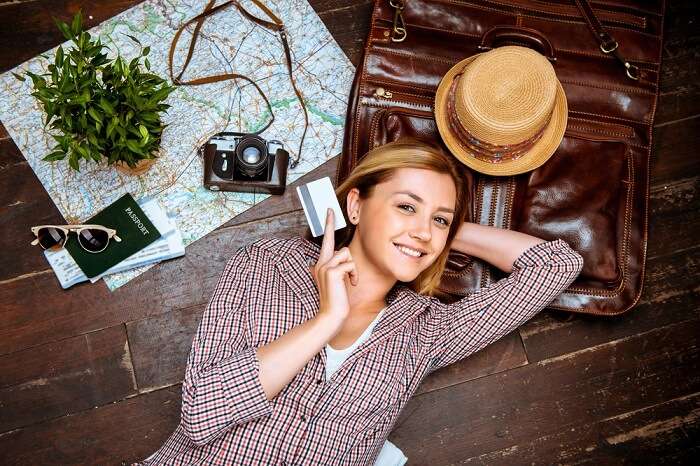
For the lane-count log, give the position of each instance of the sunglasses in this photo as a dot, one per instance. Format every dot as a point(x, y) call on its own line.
point(92, 238)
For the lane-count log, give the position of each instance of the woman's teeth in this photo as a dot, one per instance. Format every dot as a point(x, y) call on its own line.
point(408, 251)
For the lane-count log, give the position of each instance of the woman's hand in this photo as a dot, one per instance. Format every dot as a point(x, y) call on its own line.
point(329, 273)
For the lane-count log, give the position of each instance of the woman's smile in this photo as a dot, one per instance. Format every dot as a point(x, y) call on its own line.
point(409, 252)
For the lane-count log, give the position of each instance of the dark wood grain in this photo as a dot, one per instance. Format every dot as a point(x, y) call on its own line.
point(523, 404)
point(65, 377)
point(128, 430)
point(667, 433)
point(586, 390)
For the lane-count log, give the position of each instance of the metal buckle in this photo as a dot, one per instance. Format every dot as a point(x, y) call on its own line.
point(398, 33)
point(602, 47)
point(632, 71)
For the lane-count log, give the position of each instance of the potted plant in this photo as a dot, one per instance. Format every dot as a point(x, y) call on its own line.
point(101, 108)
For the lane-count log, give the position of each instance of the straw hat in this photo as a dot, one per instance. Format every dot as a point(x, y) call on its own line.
point(502, 112)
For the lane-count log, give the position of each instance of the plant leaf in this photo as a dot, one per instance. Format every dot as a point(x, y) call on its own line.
point(73, 161)
point(21, 78)
point(93, 113)
point(134, 147)
point(65, 30)
point(77, 25)
point(55, 155)
point(132, 38)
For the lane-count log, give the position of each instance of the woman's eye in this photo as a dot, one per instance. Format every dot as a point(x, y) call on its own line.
point(410, 208)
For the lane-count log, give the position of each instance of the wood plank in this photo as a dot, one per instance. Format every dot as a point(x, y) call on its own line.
point(160, 346)
point(25, 205)
point(680, 76)
point(129, 430)
point(348, 23)
point(27, 29)
point(668, 431)
point(500, 356)
point(674, 217)
point(520, 405)
point(65, 377)
point(674, 154)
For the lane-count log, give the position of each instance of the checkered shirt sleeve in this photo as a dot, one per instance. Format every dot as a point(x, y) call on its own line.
point(538, 276)
point(222, 386)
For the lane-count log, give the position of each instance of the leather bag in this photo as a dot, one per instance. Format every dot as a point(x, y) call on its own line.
point(594, 191)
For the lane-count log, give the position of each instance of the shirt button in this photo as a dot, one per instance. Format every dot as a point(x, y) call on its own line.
point(303, 418)
point(319, 381)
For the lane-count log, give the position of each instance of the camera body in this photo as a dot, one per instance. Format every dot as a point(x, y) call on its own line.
point(244, 162)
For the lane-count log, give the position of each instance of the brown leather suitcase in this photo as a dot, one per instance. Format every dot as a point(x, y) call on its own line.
point(594, 191)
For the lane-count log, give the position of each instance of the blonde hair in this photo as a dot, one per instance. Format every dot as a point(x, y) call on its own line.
point(377, 166)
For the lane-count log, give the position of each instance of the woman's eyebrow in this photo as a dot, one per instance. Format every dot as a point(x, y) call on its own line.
point(420, 199)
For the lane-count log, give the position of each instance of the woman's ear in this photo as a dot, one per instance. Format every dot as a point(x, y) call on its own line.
point(352, 205)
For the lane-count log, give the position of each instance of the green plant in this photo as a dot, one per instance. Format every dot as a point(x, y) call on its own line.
point(100, 107)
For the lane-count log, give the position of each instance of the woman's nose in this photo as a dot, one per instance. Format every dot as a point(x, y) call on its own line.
point(421, 230)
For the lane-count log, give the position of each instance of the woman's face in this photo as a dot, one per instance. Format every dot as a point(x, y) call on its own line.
point(412, 211)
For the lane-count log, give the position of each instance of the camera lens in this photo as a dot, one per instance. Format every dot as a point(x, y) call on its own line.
point(251, 155)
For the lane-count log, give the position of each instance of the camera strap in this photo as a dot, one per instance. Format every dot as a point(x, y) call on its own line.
point(276, 25)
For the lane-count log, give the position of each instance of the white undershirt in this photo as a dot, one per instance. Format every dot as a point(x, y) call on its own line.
point(390, 455)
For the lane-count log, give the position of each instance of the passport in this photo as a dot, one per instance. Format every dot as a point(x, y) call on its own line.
point(133, 227)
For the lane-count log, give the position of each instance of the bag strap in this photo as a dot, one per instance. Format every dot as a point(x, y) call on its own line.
point(607, 43)
point(276, 25)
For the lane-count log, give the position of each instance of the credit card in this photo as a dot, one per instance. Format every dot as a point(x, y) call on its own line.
point(316, 197)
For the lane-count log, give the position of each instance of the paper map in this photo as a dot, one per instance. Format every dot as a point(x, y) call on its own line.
point(230, 43)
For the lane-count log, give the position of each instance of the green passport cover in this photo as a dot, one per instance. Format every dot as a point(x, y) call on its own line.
point(123, 215)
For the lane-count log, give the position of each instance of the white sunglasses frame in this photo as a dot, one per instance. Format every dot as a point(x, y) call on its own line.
point(66, 229)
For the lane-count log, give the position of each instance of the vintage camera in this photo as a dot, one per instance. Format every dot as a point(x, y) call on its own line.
point(244, 163)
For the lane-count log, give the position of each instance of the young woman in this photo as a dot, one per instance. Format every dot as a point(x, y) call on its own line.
point(307, 354)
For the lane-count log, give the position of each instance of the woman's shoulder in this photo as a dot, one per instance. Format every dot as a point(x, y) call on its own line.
point(277, 247)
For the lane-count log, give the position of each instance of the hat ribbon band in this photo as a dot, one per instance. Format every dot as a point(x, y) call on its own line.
point(483, 150)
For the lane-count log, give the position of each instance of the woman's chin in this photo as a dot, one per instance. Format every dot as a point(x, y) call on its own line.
point(405, 275)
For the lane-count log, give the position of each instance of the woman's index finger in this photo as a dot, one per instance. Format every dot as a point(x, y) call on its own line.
point(328, 244)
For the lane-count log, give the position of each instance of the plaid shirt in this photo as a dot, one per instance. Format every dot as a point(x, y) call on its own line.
point(265, 290)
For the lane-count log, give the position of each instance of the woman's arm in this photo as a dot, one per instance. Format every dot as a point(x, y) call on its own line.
point(540, 272)
point(227, 381)
point(496, 246)
point(283, 358)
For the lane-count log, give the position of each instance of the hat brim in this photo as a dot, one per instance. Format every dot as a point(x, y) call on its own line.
point(533, 158)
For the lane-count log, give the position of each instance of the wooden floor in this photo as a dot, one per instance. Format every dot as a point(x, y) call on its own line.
point(93, 377)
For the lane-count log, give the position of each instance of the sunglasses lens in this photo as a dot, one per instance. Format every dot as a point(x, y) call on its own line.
point(50, 237)
point(93, 240)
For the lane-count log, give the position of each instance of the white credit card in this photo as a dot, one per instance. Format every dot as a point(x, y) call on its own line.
point(316, 197)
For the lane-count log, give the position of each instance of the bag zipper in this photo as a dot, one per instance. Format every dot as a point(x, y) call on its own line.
point(386, 103)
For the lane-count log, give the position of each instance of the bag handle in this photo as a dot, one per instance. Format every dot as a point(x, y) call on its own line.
point(608, 45)
point(275, 25)
point(518, 33)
